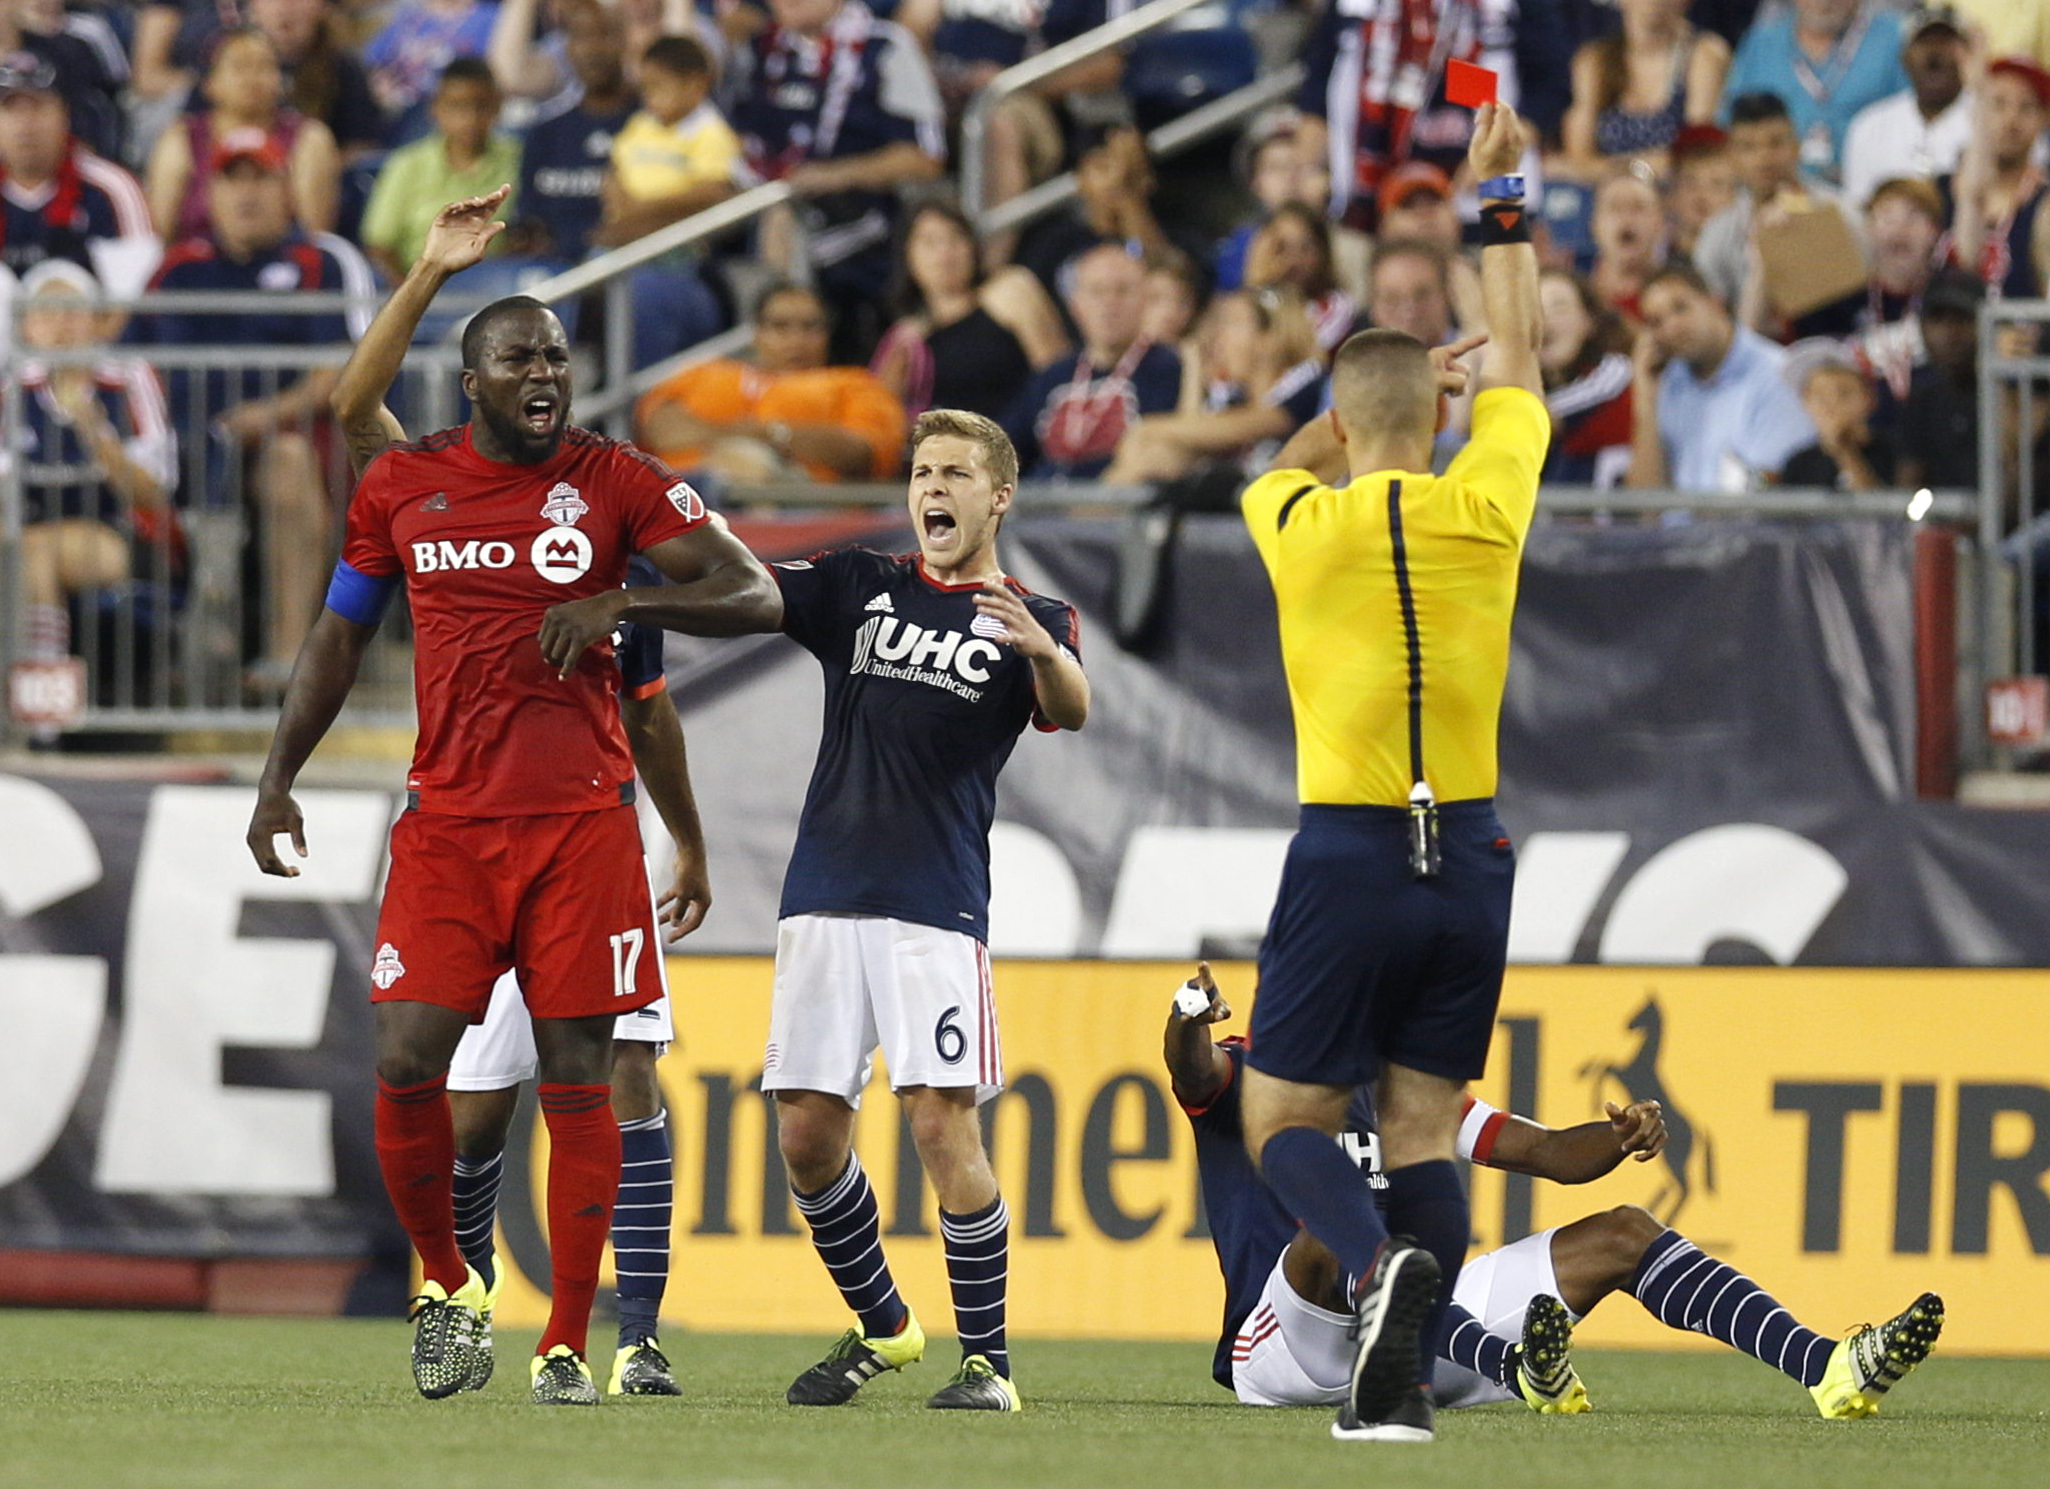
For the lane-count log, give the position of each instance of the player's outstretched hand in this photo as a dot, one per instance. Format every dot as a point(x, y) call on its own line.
point(1204, 983)
point(1452, 372)
point(572, 628)
point(1640, 1128)
point(689, 896)
point(276, 812)
point(461, 232)
point(1025, 635)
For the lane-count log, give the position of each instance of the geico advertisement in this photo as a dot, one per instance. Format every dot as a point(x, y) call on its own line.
point(1849, 1138)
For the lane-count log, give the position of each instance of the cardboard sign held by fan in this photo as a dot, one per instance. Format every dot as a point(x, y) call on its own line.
point(1810, 256)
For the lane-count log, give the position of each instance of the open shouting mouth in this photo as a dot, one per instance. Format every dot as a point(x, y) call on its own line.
point(541, 414)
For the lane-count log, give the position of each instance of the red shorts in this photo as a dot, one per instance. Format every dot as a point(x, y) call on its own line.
point(561, 899)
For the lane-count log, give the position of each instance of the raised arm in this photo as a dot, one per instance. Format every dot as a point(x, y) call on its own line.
point(1509, 269)
point(461, 233)
point(321, 679)
point(1196, 1067)
point(656, 734)
point(1580, 1155)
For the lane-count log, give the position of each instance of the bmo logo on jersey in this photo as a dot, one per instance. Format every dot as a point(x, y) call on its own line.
point(889, 647)
point(439, 557)
point(562, 555)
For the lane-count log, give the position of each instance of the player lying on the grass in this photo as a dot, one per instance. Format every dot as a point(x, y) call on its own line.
point(520, 846)
point(1287, 1322)
point(934, 663)
point(496, 1057)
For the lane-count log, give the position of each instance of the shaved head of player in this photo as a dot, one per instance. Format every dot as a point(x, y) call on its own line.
point(516, 376)
point(964, 473)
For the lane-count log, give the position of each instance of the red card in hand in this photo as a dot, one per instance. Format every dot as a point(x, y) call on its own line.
point(1468, 86)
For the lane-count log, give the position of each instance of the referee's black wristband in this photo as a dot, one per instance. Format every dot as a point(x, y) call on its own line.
point(1504, 222)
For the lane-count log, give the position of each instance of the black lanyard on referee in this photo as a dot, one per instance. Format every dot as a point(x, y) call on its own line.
point(1423, 807)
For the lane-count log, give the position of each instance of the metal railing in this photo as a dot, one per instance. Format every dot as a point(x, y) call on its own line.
point(2014, 512)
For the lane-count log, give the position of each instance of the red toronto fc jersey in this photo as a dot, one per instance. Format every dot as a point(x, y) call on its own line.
point(485, 549)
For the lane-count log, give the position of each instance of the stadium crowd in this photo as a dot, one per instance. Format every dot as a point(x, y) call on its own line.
point(1766, 229)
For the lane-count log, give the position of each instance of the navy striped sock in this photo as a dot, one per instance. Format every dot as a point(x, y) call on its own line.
point(640, 1226)
point(1466, 1343)
point(475, 1192)
point(849, 1237)
point(1685, 1288)
point(979, 1268)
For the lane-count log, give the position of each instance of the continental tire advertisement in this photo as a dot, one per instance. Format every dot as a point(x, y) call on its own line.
point(1849, 1139)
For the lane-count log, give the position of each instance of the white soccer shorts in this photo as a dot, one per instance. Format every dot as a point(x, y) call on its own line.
point(848, 984)
point(1290, 1352)
point(500, 1051)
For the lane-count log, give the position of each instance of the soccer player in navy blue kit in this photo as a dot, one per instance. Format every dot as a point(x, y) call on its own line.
point(934, 663)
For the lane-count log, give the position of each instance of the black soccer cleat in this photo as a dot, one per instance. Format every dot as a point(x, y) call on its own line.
point(641, 1369)
point(1388, 1321)
point(1411, 1419)
point(976, 1386)
point(445, 1325)
point(853, 1362)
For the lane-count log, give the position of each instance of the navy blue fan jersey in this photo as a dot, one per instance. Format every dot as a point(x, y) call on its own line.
point(562, 168)
point(923, 707)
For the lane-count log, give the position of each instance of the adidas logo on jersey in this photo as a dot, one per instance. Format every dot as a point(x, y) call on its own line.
point(882, 603)
point(435, 503)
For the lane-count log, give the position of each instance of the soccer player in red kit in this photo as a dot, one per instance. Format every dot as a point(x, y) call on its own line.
point(519, 847)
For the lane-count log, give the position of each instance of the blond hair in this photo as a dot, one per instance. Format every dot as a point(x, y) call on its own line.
point(999, 456)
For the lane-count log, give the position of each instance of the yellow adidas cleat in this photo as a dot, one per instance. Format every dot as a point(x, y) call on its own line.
point(854, 1362)
point(642, 1370)
point(1871, 1361)
point(483, 1359)
point(445, 1335)
point(561, 1378)
point(976, 1386)
point(1545, 1377)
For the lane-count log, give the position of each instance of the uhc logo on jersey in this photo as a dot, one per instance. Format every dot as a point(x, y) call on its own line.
point(437, 557)
point(889, 647)
point(562, 555)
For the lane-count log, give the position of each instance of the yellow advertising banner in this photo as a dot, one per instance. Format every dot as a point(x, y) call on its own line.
point(1849, 1138)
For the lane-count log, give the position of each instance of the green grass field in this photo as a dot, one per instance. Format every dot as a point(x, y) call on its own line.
point(173, 1400)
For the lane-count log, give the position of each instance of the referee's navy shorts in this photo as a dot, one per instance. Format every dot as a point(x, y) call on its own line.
point(1365, 963)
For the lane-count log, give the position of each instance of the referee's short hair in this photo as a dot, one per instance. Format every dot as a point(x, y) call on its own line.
point(999, 455)
point(1382, 382)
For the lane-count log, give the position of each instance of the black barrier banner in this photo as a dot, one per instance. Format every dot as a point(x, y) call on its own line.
point(1706, 751)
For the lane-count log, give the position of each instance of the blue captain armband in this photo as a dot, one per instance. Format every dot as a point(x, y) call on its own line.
point(357, 596)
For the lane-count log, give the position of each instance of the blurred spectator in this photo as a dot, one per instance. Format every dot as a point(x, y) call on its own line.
point(1997, 194)
point(1939, 424)
point(1848, 453)
point(2012, 28)
point(1293, 251)
point(1374, 73)
point(1768, 157)
point(1411, 290)
point(1585, 356)
point(1922, 130)
point(1635, 89)
point(1069, 420)
point(323, 79)
point(786, 416)
point(244, 93)
point(409, 56)
point(675, 157)
point(262, 420)
point(964, 339)
point(1115, 185)
point(463, 157)
point(1271, 166)
point(58, 199)
point(1629, 238)
point(1175, 292)
point(1904, 231)
point(1704, 183)
point(1262, 378)
point(842, 107)
point(98, 460)
point(86, 75)
point(1710, 407)
point(1416, 204)
point(565, 155)
point(1826, 60)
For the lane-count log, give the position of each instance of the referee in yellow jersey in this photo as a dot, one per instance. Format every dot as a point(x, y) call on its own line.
point(1383, 960)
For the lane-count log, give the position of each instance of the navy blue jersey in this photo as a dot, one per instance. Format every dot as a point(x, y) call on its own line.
point(319, 261)
point(59, 476)
point(638, 648)
point(1068, 421)
point(923, 707)
point(91, 212)
point(562, 167)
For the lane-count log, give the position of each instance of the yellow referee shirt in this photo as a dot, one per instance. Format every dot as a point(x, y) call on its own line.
point(1332, 555)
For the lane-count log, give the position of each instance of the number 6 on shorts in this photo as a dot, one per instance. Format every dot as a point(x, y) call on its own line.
point(948, 1038)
